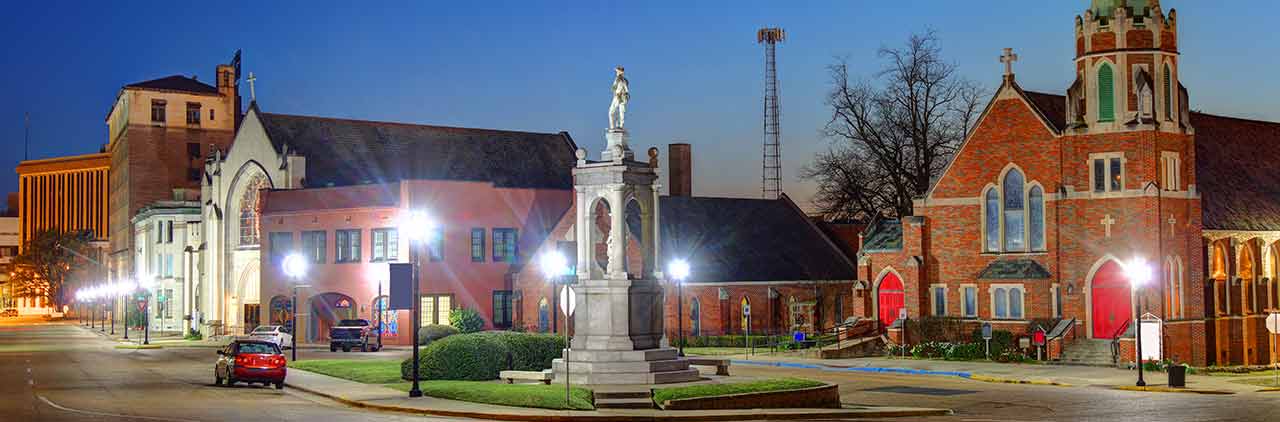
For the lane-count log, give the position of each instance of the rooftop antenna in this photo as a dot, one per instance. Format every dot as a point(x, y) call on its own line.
point(26, 140)
point(771, 174)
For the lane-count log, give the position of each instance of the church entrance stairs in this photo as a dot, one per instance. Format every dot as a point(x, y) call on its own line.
point(1088, 352)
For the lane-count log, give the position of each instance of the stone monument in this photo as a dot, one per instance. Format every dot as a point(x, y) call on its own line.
point(618, 326)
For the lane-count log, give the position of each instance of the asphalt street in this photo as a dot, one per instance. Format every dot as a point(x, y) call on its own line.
point(62, 372)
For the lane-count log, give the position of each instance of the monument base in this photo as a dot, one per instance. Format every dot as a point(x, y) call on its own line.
point(616, 148)
point(652, 366)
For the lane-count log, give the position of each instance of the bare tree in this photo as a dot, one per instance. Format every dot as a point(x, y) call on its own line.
point(894, 134)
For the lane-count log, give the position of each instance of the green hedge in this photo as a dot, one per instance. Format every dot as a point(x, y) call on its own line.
point(433, 332)
point(726, 341)
point(479, 356)
point(466, 320)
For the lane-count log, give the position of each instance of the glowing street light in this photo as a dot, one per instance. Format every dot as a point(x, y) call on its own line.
point(295, 267)
point(1139, 273)
point(556, 268)
point(678, 270)
point(417, 226)
point(147, 282)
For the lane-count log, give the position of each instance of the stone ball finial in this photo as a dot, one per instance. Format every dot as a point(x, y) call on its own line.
point(653, 157)
point(581, 153)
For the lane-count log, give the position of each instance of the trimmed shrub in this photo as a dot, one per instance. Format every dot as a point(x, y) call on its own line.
point(527, 352)
point(1001, 341)
point(460, 357)
point(479, 356)
point(466, 320)
point(433, 332)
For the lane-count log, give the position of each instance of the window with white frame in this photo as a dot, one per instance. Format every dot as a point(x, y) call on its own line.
point(1013, 215)
point(1107, 171)
point(1056, 290)
point(938, 296)
point(1006, 301)
point(1170, 171)
point(969, 301)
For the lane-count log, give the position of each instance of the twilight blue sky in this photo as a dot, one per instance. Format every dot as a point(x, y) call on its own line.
point(695, 69)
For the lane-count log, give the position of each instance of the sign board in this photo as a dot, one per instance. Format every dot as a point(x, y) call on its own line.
point(798, 337)
point(401, 286)
point(986, 331)
point(1038, 337)
point(1024, 342)
point(1149, 328)
point(1273, 323)
point(568, 301)
point(902, 313)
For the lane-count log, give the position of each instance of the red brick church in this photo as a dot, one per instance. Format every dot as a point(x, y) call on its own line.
point(1051, 196)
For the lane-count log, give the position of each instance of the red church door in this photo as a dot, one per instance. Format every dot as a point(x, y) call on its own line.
point(891, 298)
point(1110, 300)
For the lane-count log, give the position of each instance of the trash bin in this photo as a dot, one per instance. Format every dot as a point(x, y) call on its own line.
point(1177, 376)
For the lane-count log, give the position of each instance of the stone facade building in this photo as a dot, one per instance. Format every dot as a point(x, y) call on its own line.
point(1051, 198)
point(168, 237)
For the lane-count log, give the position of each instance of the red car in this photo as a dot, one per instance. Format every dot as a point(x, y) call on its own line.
point(250, 361)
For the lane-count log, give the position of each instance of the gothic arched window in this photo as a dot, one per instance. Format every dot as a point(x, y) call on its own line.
point(1168, 93)
point(249, 235)
point(991, 216)
point(1106, 94)
point(1014, 207)
point(1035, 217)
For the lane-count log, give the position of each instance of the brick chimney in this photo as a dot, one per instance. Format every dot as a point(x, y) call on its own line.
point(680, 163)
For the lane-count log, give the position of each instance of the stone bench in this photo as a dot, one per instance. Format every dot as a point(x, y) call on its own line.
point(722, 365)
point(511, 376)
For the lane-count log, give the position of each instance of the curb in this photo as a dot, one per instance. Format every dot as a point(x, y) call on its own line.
point(1159, 389)
point(138, 346)
point(907, 371)
point(1268, 390)
point(985, 378)
point(566, 416)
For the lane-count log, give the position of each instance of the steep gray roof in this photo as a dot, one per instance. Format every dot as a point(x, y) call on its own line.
point(343, 152)
point(883, 235)
point(1013, 269)
point(730, 239)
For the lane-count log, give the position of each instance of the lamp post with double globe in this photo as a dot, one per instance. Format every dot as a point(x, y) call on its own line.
point(557, 270)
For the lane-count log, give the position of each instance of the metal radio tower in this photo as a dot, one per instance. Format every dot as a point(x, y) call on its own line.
point(771, 176)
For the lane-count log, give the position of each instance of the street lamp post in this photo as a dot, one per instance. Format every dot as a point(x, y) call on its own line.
point(418, 226)
point(556, 268)
point(295, 267)
point(377, 273)
point(678, 270)
point(126, 290)
point(111, 294)
point(147, 283)
point(1139, 273)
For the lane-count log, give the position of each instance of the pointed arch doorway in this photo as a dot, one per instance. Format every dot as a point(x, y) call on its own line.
point(890, 298)
point(1110, 300)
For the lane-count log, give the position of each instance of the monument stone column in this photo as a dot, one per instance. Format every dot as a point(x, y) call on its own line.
point(618, 326)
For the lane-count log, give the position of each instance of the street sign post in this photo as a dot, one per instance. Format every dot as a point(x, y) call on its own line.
point(986, 337)
point(746, 322)
point(902, 316)
point(1273, 325)
point(568, 304)
point(568, 301)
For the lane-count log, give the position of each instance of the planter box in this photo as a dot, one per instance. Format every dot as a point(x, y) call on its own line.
point(821, 397)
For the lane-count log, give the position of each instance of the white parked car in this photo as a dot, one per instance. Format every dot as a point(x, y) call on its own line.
point(273, 333)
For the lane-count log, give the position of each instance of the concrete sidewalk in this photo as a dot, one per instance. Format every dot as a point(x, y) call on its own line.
point(381, 398)
point(1031, 373)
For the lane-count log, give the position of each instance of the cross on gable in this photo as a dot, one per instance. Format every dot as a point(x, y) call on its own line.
point(1008, 58)
point(253, 96)
point(1107, 221)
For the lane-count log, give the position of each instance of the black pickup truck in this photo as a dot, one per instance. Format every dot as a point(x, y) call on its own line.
point(352, 334)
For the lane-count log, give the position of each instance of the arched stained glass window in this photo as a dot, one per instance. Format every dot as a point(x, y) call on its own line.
point(1106, 94)
point(1035, 213)
point(992, 216)
point(1014, 227)
point(249, 211)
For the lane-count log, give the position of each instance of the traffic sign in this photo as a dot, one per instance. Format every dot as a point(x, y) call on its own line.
point(986, 331)
point(902, 313)
point(568, 301)
point(1273, 323)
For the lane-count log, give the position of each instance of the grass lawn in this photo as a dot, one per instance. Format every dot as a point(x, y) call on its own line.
point(1260, 381)
point(708, 390)
point(368, 371)
point(520, 395)
point(1238, 374)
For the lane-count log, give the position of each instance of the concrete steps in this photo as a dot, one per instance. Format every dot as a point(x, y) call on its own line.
point(624, 399)
point(1086, 352)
